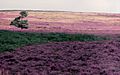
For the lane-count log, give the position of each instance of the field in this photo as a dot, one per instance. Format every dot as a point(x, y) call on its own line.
point(60, 43)
point(68, 22)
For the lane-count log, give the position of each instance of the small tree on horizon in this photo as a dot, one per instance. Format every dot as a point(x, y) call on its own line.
point(18, 22)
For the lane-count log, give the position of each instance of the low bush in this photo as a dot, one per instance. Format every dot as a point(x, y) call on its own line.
point(18, 22)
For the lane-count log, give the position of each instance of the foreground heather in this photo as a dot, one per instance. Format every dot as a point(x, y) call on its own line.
point(64, 58)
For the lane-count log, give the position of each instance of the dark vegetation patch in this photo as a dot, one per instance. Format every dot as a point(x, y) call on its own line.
point(64, 58)
point(9, 40)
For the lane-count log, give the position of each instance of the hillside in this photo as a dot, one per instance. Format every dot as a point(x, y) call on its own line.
point(69, 22)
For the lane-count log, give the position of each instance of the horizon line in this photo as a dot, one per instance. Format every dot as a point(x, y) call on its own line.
point(38, 10)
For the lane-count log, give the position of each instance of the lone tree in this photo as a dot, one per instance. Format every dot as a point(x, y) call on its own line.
point(18, 22)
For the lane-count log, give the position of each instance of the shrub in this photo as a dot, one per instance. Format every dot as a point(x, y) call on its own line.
point(20, 23)
point(24, 13)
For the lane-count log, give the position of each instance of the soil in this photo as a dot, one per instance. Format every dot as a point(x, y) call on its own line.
point(65, 58)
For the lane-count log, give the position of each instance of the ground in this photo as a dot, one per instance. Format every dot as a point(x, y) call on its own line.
point(69, 22)
point(65, 58)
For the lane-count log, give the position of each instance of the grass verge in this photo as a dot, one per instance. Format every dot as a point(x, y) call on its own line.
point(10, 40)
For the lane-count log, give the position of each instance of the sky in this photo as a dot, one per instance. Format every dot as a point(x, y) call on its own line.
point(109, 6)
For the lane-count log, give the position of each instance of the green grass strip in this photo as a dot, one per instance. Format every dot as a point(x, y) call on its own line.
point(10, 40)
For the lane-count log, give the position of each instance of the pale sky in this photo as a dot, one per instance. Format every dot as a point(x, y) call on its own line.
point(110, 6)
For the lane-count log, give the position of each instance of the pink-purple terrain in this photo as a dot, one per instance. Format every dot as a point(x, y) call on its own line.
point(64, 58)
point(69, 22)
